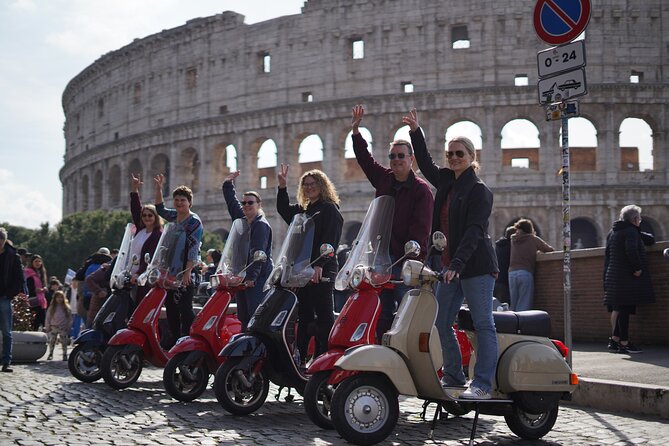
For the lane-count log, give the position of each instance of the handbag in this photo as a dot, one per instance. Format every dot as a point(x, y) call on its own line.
point(34, 301)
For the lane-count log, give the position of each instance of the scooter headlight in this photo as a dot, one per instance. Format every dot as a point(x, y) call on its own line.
point(411, 272)
point(278, 320)
point(357, 277)
point(153, 276)
point(359, 332)
point(274, 278)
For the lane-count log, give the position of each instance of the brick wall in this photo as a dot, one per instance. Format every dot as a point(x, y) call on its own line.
point(589, 319)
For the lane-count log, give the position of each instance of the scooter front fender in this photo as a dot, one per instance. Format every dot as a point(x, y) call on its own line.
point(379, 359)
point(90, 337)
point(245, 346)
point(189, 344)
point(128, 336)
point(326, 361)
point(529, 366)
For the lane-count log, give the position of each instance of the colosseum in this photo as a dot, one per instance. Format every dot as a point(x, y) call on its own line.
point(217, 94)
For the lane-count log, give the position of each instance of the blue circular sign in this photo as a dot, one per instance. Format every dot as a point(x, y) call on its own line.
point(560, 21)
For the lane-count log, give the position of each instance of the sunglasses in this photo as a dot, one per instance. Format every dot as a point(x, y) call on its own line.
point(250, 203)
point(458, 153)
point(399, 156)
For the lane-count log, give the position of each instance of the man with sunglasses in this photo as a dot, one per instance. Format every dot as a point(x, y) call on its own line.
point(413, 205)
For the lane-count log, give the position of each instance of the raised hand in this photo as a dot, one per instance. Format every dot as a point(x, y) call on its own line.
point(356, 119)
point(232, 176)
point(411, 120)
point(159, 180)
point(136, 182)
point(281, 176)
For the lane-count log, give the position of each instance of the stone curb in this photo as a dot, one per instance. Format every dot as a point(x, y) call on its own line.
point(620, 396)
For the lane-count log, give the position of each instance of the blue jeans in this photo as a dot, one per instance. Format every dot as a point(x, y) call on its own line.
point(521, 290)
point(6, 321)
point(76, 324)
point(478, 291)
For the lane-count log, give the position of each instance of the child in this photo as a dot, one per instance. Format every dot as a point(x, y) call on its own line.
point(58, 322)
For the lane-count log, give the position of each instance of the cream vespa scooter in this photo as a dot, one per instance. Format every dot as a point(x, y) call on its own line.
point(532, 372)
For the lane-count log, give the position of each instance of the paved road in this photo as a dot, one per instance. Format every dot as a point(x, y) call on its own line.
point(41, 404)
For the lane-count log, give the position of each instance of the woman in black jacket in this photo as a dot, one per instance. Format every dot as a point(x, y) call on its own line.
point(462, 208)
point(626, 276)
point(317, 197)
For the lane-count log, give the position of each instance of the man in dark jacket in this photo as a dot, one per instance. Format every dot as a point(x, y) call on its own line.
point(413, 206)
point(503, 251)
point(626, 276)
point(11, 285)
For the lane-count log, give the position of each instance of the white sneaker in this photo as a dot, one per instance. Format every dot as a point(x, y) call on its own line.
point(474, 393)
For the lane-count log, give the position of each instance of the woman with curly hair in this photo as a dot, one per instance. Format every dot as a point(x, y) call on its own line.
point(317, 197)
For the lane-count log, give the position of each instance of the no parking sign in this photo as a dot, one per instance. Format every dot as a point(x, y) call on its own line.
point(560, 21)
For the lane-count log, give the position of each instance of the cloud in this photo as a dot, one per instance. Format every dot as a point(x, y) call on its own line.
point(31, 209)
point(23, 5)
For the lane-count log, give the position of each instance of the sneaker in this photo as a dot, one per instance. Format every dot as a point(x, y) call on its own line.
point(6, 369)
point(613, 345)
point(629, 348)
point(474, 393)
point(446, 382)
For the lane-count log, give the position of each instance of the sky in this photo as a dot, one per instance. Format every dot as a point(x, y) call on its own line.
point(44, 44)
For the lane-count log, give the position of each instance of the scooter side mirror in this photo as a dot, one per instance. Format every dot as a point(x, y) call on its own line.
point(326, 250)
point(411, 248)
point(259, 256)
point(135, 259)
point(439, 241)
point(147, 258)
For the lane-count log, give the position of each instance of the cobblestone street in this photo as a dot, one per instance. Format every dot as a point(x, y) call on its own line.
point(41, 404)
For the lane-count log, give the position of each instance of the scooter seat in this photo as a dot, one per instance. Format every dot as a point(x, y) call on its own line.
point(530, 323)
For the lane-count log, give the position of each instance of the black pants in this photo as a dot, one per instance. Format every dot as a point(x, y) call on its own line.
point(315, 309)
point(621, 329)
point(179, 307)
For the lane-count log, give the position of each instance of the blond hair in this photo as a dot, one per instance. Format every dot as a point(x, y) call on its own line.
point(53, 304)
point(469, 146)
point(328, 191)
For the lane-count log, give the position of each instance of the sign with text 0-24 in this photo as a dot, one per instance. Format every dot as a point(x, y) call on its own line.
point(561, 58)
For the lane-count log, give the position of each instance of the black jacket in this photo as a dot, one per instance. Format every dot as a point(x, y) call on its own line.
point(503, 251)
point(12, 281)
point(327, 227)
point(469, 244)
point(625, 254)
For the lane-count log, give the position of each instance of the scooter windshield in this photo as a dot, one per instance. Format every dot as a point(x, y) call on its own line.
point(123, 262)
point(166, 265)
point(235, 253)
point(370, 253)
point(295, 255)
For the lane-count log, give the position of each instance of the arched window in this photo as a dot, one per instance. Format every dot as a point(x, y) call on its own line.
point(636, 145)
point(231, 158)
point(348, 145)
point(161, 164)
point(311, 149)
point(115, 185)
point(582, 144)
point(467, 129)
point(84, 193)
point(267, 154)
point(520, 144)
point(402, 133)
point(97, 190)
point(583, 234)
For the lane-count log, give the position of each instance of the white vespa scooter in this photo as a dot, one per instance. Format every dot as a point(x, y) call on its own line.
point(532, 372)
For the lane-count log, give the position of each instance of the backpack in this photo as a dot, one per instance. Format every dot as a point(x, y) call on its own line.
point(84, 289)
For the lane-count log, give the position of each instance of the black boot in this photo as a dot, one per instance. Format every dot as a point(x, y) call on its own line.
point(6, 369)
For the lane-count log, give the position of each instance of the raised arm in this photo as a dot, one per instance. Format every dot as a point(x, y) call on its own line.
point(283, 206)
point(427, 167)
point(135, 202)
point(167, 214)
point(234, 207)
point(373, 170)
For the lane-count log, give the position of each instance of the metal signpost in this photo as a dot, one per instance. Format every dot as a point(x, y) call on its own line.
point(562, 78)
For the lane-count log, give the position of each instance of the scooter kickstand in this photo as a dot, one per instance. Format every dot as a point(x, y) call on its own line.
point(278, 393)
point(476, 420)
point(437, 415)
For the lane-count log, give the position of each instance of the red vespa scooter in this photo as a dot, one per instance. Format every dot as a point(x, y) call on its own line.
point(194, 357)
point(127, 350)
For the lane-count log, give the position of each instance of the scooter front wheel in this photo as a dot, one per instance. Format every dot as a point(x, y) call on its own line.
point(238, 392)
point(318, 399)
point(185, 382)
point(365, 408)
point(531, 426)
point(120, 369)
point(84, 363)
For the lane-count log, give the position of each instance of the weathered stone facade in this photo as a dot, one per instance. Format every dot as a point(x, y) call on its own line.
point(174, 101)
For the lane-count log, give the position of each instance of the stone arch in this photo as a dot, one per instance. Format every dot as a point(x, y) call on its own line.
point(584, 233)
point(636, 145)
point(224, 161)
point(160, 163)
point(401, 132)
point(85, 193)
point(115, 185)
point(649, 224)
point(267, 161)
point(582, 144)
point(348, 142)
point(189, 167)
point(468, 129)
point(520, 144)
point(310, 149)
point(97, 189)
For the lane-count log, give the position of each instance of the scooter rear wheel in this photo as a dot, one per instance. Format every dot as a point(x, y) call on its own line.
point(84, 363)
point(531, 426)
point(121, 369)
point(318, 399)
point(185, 382)
point(365, 409)
point(236, 390)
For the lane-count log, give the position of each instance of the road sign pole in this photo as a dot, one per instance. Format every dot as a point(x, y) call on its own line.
point(566, 235)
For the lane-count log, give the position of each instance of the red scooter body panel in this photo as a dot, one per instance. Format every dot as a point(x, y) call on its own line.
point(326, 361)
point(364, 306)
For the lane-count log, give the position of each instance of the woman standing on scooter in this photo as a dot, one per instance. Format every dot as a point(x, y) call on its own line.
point(250, 208)
point(462, 207)
point(148, 226)
point(317, 197)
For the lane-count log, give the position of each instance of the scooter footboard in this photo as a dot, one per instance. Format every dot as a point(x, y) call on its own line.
point(377, 358)
point(244, 346)
point(534, 367)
